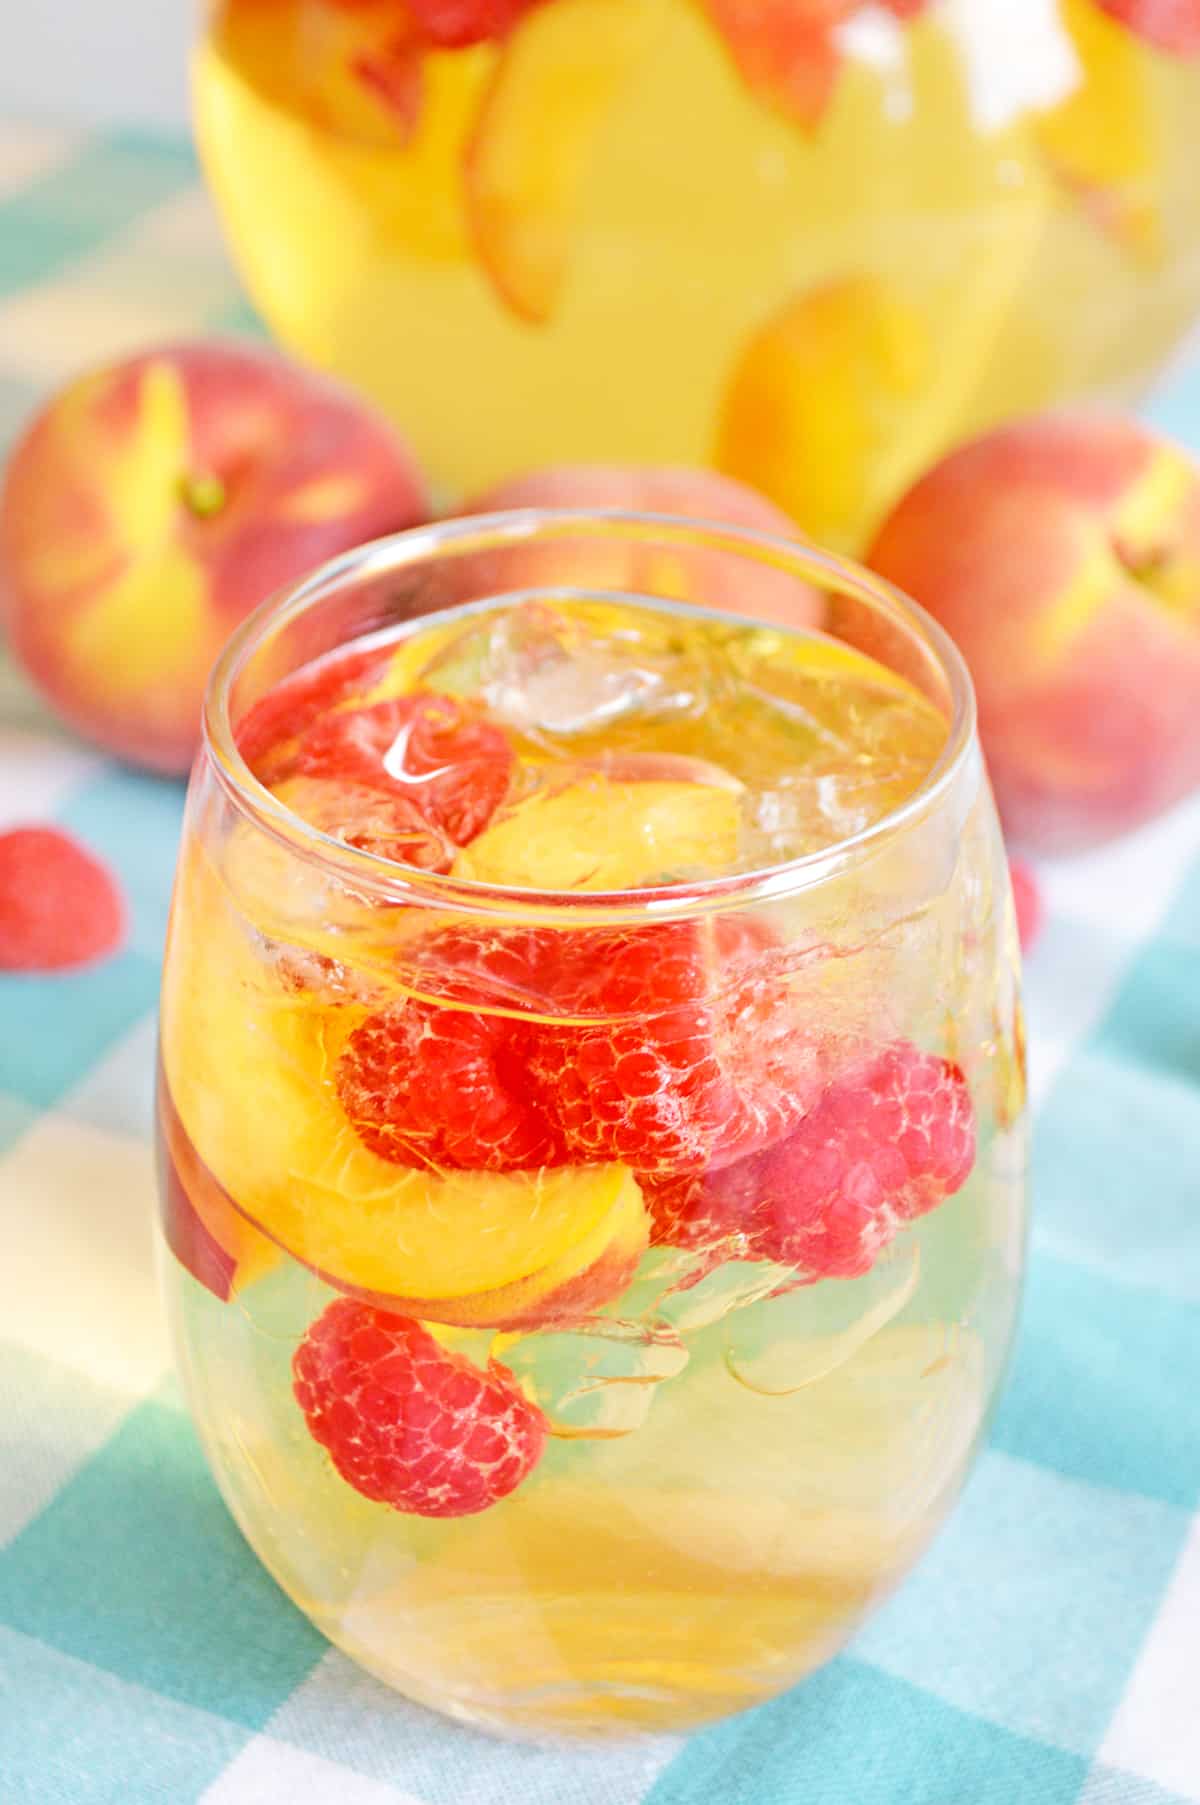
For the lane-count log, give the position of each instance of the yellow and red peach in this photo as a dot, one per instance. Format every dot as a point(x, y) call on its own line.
point(155, 502)
point(703, 575)
point(1063, 555)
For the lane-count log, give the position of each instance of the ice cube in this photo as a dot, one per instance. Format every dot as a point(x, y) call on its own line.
point(598, 1378)
point(801, 1335)
point(542, 670)
point(730, 1285)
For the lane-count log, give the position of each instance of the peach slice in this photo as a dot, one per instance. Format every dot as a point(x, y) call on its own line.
point(201, 1224)
point(537, 128)
point(818, 391)
point(785, 51)
point(377, 1257)
point(248, 1063)
point(601, 834)
point(847, 392)
point(1103, 140)
point(352, 70)
point(788, 50)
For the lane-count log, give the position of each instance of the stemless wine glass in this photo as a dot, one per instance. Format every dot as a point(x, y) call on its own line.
point(673, 1414)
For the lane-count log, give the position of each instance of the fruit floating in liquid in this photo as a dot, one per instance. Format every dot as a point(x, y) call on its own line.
point(549, 1290)
point(813, 245)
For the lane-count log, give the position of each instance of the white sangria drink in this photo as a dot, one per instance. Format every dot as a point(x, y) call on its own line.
point(591, 1111)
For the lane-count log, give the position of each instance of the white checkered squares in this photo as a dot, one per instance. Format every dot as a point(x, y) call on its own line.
point(273, 1773)
point(80, 1287)
point(1156, 1729)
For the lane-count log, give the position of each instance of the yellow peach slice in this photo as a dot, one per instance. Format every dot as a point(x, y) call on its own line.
point(573, 1284)
point(817, 390)
point(845, 394)
point(201, 1225)
point(604, 835)
point(249, 1066)
point(552, 90)
point(353, 72)
point(1103, 141)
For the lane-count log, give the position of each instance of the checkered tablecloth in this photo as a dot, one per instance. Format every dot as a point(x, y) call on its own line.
point(1047, 1652)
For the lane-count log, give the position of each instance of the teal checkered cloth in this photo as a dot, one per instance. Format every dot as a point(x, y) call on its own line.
point(1046, 1652)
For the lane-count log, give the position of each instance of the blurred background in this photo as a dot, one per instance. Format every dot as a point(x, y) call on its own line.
point(66, 60)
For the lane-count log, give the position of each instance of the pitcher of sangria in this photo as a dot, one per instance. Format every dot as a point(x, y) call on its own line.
point(811, 242)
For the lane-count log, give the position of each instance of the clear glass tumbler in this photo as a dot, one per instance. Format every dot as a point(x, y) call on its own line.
point(723, 1341)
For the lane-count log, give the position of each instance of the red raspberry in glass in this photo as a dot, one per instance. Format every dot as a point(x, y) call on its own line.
point(888, 1141)
point(406, 1422)
point(391, 827)
point(433, 1083)
point(695, 1057)
point(692, 1056)
point(429, 749)
point(267, 733)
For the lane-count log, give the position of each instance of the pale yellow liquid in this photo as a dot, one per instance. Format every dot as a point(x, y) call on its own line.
point(934, 255)
point(721, 1499)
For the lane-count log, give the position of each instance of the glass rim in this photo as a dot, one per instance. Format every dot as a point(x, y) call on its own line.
point(399, 884)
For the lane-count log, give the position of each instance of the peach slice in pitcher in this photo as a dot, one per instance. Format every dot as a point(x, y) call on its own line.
point(351, 68)
point(850, 389)
point(1103, 142)
point(537, 129)
point(817, 394)
point(788, 50)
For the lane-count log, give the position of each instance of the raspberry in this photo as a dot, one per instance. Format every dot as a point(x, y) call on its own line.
point(265, 734)
point(407, 1423)
point(453, 24)
point(391, 827)
point(694, 1057)
point(697, 1058)
point(887, 1142)
point(428, 1083)
point(59, 906)
point(425, 748)
point(1027, 900)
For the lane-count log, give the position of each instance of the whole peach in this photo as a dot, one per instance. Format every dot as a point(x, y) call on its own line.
point(155, 502)
point(1063, 555)
point(704, 575)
